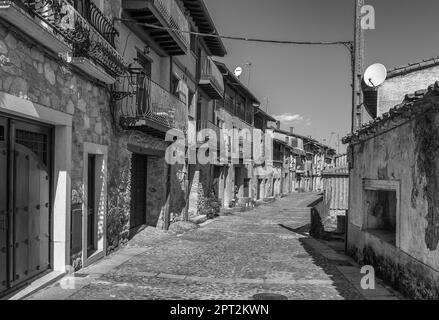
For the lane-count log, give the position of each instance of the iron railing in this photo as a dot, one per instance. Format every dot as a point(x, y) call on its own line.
point(76, 30)
point(210, 72)
point(97, 19)
point(206, 124)
point(229, 105)
point(240, 111)
point(173, 15)
point(97, 48)
point(141, 98)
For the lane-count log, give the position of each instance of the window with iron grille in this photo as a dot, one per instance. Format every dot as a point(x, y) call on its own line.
point(36, 142)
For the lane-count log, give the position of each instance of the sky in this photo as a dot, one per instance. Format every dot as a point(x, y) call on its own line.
point(309, 87)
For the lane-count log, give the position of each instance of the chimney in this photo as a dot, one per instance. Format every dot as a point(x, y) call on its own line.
point(292, 130)
point(278, 125)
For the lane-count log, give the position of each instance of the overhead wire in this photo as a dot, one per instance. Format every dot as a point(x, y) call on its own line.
point(240, 38)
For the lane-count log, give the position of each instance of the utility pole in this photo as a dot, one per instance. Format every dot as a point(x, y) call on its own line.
point(249, 64)
point(358, 68)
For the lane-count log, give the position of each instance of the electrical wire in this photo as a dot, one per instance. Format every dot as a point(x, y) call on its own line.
point(211, 35)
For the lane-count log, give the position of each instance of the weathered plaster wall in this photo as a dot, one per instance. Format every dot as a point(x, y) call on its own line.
point(393, 90)
point(407, 154)
point(128, 44)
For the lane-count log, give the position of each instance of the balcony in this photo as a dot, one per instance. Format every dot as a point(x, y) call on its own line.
point(207, 125)
point(85, 41)
point(40, 20)
point(211, 79)
point(300, 167)
point(229, 105)
point(93, 38)
point(144, 105)
point(96, 18)
point(162, 13)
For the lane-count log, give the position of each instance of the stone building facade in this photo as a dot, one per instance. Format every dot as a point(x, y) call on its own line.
point(393, 178)
point(89, 118)
point(301, 161)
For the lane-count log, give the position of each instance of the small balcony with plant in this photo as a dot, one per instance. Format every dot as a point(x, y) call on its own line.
point(142, 104)
point(171, 36)
point(76, 30)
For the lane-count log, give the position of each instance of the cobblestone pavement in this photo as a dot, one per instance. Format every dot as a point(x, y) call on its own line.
point(232, 257)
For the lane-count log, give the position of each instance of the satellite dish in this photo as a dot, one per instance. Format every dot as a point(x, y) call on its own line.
point(375, 75)
point(238, 71)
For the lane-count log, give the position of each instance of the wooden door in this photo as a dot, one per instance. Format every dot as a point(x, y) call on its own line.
point(3, 205)
point(31, 188)
point(138, 190)
point(91, 205)
point(259, 191)
point(246, 188)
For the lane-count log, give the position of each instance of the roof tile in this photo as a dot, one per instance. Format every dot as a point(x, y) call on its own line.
point(407, 109)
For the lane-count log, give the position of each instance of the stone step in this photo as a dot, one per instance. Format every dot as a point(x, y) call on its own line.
point(198, 219)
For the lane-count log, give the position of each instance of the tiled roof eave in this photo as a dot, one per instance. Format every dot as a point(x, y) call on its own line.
point(414, 105)
point(413, 67)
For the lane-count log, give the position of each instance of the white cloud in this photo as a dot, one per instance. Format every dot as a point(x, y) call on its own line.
point(289, 117)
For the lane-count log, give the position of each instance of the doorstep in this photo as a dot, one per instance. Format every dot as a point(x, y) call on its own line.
point(37, 285)
point(198, 219)
point(67, 285)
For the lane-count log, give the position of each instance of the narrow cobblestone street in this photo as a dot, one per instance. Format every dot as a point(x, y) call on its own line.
point(233, 257)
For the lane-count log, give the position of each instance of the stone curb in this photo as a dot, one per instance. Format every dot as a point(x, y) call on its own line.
point(352, 273)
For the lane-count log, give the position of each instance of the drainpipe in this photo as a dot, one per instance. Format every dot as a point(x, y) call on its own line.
point(167, 221)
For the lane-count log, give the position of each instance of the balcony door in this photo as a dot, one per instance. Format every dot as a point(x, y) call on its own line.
point(144, 86)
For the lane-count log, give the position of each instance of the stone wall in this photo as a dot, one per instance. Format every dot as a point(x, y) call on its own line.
point(40, 77)
point(200, 184)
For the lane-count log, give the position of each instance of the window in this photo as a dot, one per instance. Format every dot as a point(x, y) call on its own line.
point(191, 104)
point(194, 40)
point(381, 218)
point(241, 107)
point(174, 85)
point(381, 209)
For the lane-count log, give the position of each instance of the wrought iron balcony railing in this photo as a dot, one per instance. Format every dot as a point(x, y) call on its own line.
point(229, 105)
point(80, 33)
point(91, 44)
point(211, 79)
point(206, 124)
point(145, 104)
point(97, 19)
